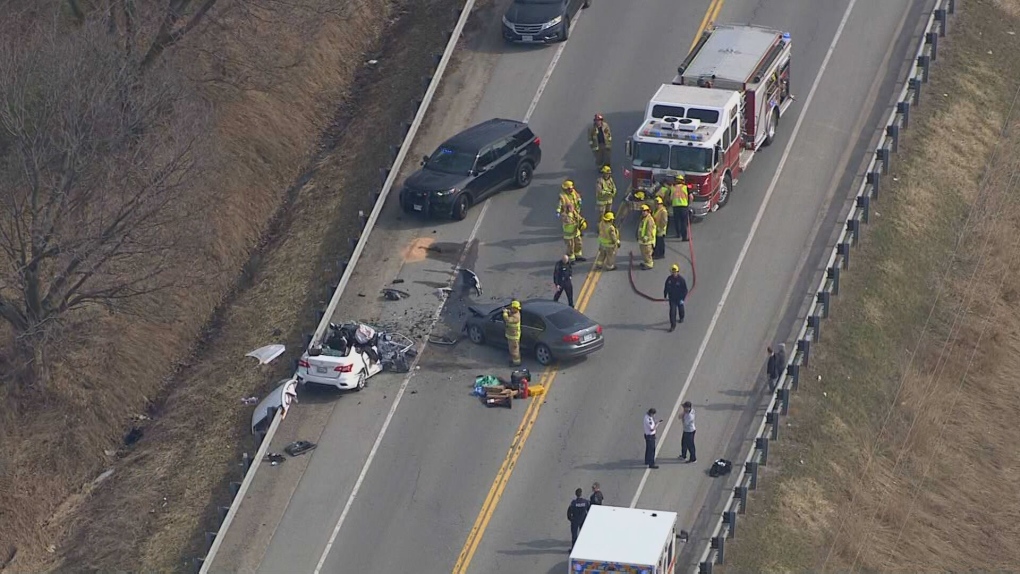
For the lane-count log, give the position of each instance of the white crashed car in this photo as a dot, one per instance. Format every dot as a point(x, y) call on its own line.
point(350, 353)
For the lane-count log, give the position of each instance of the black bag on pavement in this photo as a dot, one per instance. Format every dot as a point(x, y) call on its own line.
point(720, 467)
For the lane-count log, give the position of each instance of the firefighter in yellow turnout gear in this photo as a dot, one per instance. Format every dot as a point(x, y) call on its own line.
point(605, 192)
point(572, 226)
point(661, 217)
point(600, 139)
point(512, 320)
point(568, 194)
point(646, 237)
point(609, 242)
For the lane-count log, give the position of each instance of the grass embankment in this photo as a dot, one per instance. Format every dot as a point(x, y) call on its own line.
point(901, 452)
point(321, 118)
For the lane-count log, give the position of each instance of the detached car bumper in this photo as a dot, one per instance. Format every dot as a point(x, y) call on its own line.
point(546, 36)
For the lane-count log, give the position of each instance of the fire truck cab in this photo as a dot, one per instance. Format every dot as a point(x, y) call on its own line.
point(723, 105)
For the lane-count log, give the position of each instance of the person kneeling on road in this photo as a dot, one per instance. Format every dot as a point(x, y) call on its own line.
point(675, 292)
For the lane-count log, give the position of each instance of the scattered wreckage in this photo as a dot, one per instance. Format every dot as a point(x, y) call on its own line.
point(351, 353)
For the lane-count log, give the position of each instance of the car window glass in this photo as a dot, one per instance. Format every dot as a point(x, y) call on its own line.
point(488, 156)
point(507, 146)
point(532, 321)
point(450, 160)
point(566, 318)
point(523, 137)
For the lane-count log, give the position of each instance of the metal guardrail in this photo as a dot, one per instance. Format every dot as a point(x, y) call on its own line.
point(828, 286)
point(250, 466)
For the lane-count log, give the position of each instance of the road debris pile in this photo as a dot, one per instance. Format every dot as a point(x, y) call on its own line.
point(391, 349)
point(498, 392)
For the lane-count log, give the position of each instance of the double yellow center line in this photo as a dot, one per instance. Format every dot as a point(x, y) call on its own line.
point(546, 379)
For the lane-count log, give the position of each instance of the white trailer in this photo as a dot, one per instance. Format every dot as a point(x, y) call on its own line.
point(625, 540)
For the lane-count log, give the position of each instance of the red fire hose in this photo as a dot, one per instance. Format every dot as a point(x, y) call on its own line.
point(694, 267)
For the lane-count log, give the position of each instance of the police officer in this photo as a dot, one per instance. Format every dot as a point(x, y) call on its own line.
point(675, 291)
point(596, 495)
point(512, 320)
point(661, 217)
point(600, 139)
point(576, 513)
point(562, 278)
point(680, 197)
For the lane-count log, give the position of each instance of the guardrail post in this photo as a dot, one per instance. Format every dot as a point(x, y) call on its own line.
point(404, 128)
point(384, 172)
point(234, 487)
point(751, 467)
point(853, 225)
point(882, 155)
point(915, 85)
point(719, 545)
point(793, 370)
point(903, 109)
point(815, 323)
point(823, 299)
point(924, 62)
point(209, 537)
point(436, 58)
point(353, 241)
point(762, 443)
point(705, 568)
point(730, 517)
point(952, 7)
point(394, 150)
point(784, 407)
point(893, 131)
point(844, 250)
point(772, 418)
point(864, 204)
point(363, 218)
point(425, 81)
point(196, 564)
point(245, 463)
point(261, 436)
point(874, 179)
point(741, 493)
point(833, 273)
point(933, 39)
point(804, 348)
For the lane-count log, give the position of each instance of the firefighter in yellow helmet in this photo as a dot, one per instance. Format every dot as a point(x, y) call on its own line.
point(609, 242)
point(600, 139)
point(568, 194)
point(661, 216)
point(680, 198)
point(512, 320)
point(605, 191)
point(572, 222)
point(646, 237)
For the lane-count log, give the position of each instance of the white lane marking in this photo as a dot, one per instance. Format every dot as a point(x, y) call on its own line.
point(746, 247)
point(435, 319)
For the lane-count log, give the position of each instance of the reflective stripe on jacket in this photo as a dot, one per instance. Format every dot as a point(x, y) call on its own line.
point(646, 230)
point(661, 219)
point(513, 324)
point(593, 135)
point(605, 190)
point(609, 235)
point(680, 195)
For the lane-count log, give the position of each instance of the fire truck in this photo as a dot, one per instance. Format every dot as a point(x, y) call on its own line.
point(724, 105)
point(625, 540)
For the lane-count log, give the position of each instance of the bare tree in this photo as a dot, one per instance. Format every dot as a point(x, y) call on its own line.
point(94, 160)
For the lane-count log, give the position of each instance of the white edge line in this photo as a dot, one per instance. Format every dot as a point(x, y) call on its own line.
point(435, 319)
point(747, 245)
point(380, 203)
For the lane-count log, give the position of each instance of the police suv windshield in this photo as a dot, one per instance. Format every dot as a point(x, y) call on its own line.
point(653, 155)
point(449, 160)
point(691, 159)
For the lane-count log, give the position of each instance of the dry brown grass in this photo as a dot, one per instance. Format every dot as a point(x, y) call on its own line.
point(904, 460)
point(150, 513)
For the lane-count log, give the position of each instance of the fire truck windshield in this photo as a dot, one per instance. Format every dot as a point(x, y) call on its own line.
point(653, 155)
point(691, 159)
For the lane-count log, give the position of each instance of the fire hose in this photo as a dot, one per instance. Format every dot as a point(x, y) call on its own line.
point(694, 267)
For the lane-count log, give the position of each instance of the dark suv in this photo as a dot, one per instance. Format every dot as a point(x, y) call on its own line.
point(540, 21)
point(471, 166)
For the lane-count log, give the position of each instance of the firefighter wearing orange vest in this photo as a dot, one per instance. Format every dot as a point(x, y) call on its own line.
point(646, 237)
point(661, 216)
point(680, 198)
point(605, 191)
point(572, 224)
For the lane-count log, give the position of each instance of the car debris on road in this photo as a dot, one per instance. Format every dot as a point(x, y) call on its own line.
point(497, 392)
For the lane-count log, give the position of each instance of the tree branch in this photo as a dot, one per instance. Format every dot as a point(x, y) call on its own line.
point(167, 35)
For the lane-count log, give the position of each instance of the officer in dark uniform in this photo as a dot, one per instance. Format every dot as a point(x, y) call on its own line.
point(596, 494)
point(675, 291)
point(576, 513)
point(563, 279)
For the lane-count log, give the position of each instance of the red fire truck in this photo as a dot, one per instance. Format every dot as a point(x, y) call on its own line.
point(723, 105)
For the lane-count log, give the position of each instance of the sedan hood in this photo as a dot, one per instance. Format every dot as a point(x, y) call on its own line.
point(484, 310)
point(429, 180)
point(533, 13)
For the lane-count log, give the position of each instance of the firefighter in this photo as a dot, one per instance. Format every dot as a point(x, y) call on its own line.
point(609, 242)
point(646, 237)
point(568, 194)
point(661, 217)
point(512, 320)
point(605, 191)
point(600, 138)
point(572, 222)
point(680, 198)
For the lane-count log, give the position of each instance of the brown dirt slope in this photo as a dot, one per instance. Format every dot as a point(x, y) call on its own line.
point(901, 452)
point(300, 155)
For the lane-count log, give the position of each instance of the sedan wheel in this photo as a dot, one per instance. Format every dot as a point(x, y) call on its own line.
point(476, 335)
point(362, 380)
point(543, 354)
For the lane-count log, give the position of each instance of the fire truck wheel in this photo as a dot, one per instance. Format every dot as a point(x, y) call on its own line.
point(724, 191)
point(770, 134)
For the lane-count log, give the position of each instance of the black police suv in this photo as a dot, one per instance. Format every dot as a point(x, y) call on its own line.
point(471, 166)
point(540, 21)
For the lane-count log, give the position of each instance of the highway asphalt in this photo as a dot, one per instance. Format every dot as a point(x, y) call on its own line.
point(426, 502)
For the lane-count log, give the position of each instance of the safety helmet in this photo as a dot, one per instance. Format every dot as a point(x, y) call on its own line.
point(598, 117)
point(658, 200)
point(675, 268)
point(515, 304)
point(679, 177)
point(645, 208)
point(608, 216)
point(567, 184)
point(639, 195)
point(606, 169)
